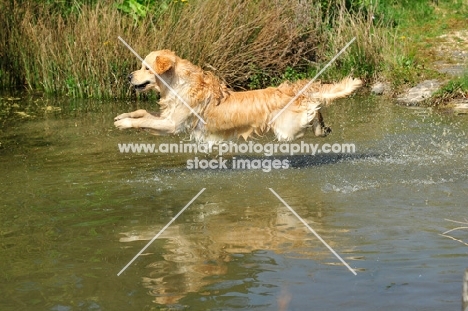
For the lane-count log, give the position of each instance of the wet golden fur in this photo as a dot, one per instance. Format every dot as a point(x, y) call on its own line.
point(227, 114)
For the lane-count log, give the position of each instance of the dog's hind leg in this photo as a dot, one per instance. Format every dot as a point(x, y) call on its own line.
point(318, 126)
point(292, 122)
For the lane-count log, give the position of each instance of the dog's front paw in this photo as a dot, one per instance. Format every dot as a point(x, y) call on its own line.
point(140, 113)
point(122, 116)
point(125, 123)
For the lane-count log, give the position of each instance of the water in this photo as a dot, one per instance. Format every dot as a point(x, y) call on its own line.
point(75, 211)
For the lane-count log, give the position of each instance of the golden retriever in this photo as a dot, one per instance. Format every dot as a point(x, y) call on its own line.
point(196, 101)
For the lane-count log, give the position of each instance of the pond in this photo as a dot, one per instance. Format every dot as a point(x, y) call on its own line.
point(75, 211)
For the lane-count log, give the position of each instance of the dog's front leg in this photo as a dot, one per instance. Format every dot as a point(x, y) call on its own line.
point(158, 125)
point(140, 113)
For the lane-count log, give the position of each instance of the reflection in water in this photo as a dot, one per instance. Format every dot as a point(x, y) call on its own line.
point(194, 255)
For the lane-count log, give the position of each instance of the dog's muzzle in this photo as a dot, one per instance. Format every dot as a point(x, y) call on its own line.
point(138, 87)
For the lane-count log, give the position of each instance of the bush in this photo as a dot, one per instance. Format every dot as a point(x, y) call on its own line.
point(73, 49)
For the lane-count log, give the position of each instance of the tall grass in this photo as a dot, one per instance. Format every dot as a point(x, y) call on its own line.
point(246, 43)
point(77, 55)
point(369, 53)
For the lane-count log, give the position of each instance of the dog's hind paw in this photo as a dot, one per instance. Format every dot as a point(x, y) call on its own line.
point(319, 127)
point(322, 131)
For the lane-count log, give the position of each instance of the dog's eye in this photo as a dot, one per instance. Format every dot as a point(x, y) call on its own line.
point(146, 68)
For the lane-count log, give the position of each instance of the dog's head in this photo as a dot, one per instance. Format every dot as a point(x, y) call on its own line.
point(159, 62)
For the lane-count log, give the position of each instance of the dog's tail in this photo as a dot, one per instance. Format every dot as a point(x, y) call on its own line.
point(329, 92)
point(322, 92)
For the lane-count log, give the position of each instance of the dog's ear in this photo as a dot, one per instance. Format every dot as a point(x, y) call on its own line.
point(163, 64)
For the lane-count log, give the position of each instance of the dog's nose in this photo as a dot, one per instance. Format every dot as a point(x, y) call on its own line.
point(129, 77)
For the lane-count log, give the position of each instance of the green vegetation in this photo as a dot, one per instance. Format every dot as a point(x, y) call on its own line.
point(71, 47)
point(455, 88)
point(422, 34)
